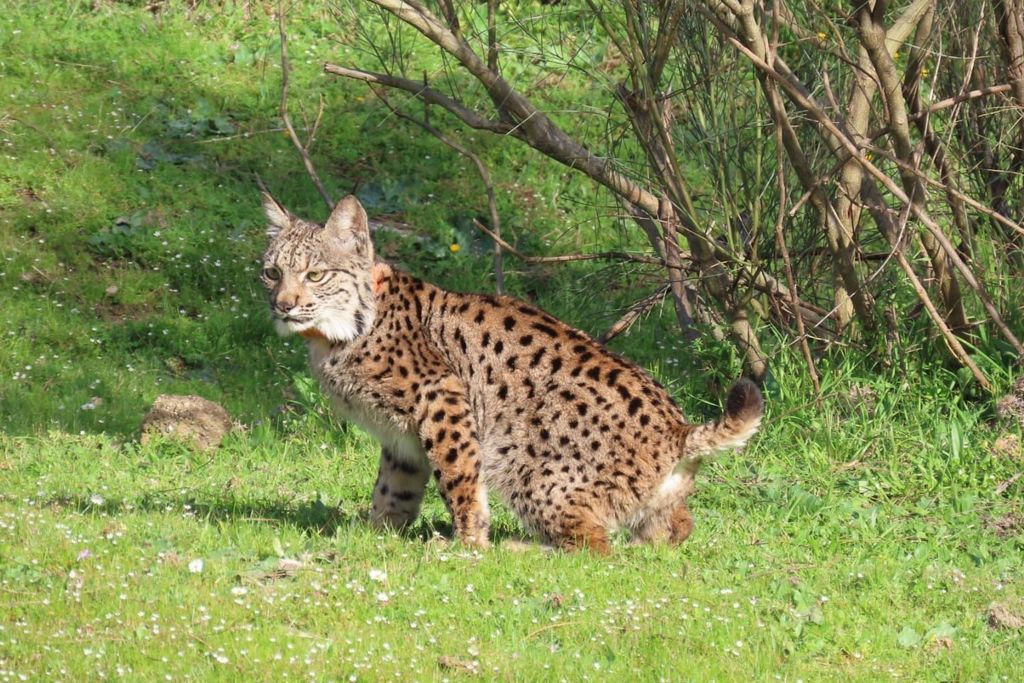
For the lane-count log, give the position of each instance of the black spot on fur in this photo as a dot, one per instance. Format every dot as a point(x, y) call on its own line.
point(546, 329)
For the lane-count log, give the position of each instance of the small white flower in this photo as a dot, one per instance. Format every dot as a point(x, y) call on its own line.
point(469, 588)
point(382, 598)
point(239, 590)
point(97, 500)
point(378, 575)
point(196, 566)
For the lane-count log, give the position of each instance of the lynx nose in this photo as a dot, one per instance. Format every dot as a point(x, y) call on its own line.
point(284, 304)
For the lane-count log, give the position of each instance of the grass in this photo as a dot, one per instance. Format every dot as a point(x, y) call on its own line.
point(854, 540)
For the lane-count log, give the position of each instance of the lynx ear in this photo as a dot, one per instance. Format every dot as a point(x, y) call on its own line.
point(349, 224)
point(277, 217)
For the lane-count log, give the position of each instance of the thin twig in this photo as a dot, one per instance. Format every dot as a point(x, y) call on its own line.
point(429, 95)
point(565, 258)
point(246, 134)
point(548, 627)
point(1001, 489)
point(780, 237)
point(287, 120)
point(636, 311)
point(957, 99)
point(797, 94)
point(485, 178)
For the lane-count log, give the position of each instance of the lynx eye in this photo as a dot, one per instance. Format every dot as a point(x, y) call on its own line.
point(272, 273)
point(315, 275)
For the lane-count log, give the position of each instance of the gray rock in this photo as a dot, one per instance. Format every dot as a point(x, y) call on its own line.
point(190, 419)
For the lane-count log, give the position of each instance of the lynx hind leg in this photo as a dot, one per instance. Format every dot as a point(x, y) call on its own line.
point(577, 528)
point(665, 517)
point(399, 490)
point(583, 534)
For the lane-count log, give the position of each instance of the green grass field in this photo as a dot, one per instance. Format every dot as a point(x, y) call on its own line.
point(862, 538)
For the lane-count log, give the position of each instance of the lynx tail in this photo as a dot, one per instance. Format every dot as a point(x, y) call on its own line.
point(743, 411)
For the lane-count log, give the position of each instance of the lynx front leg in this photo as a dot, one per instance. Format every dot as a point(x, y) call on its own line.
point(399, 490)
point(450, 440)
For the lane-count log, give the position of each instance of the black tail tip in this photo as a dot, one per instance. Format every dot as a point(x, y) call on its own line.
point(745, 401)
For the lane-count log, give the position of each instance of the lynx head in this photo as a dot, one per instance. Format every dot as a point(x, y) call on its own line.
point(319, 277)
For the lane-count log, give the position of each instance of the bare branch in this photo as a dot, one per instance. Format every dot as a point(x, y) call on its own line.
point(780, 239)
point(959, 99)
point(485, 178)
point(428, 95)
point(302, 149)
point(636, 311)
point(565, 258)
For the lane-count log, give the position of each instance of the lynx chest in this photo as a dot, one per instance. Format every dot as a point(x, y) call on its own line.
point(367, 392)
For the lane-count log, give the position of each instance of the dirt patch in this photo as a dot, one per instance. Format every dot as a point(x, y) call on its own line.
point(28, 195)
point(115, 312)
point(1007, 446)
point(448, 663)
point(190, 419)
point(1003, 617)
point(1006, 525)
point(36, 277)
point(858, 396)
point(1011, 406)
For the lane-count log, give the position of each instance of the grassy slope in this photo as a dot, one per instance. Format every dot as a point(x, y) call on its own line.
point(849, 542)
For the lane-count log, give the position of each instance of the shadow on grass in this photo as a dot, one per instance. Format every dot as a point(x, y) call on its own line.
point(312, 517)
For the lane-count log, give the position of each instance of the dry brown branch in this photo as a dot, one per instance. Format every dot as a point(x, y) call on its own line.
point(565, 258)
point(526, 122)
point(960, 99)
point(636, 311)
point(1010, 18)
point(780, 238)
point(427, 94)
point(797, 94)
point(850, 295)
point(492, 35)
